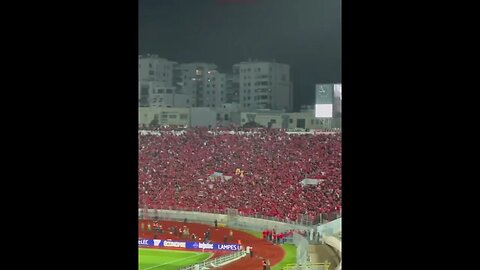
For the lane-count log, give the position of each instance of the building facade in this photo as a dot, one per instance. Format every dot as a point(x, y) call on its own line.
point(154, 68)
point(156, 116)
point(302, 120)
point(156, 94)
point(202, 83)
point(264, 85)
point(187, 117)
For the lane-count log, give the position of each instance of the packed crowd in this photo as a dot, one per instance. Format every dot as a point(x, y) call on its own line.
point(174, 170)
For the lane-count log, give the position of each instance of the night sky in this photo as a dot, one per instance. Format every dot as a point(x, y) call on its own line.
point(303, 33)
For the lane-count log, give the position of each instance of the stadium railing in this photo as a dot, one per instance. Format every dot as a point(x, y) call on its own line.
point(309, 266)
point(219, 261)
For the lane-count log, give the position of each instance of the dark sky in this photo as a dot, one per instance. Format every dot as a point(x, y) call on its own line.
point(303, 33)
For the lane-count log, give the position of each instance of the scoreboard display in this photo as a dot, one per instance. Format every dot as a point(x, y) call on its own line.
point(324, 97)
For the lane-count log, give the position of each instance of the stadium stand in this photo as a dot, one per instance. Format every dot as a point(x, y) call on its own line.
point(256, 171)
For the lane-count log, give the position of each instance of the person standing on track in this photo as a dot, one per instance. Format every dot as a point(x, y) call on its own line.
point(216, 224)
point(231, 235)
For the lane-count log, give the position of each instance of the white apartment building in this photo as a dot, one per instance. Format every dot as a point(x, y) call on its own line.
point(264, 85)
point(154, 68)
point(202, 82)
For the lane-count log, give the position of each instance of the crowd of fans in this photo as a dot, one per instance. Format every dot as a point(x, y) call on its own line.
point(175, 165)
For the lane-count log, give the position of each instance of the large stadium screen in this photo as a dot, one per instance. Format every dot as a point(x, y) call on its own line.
point(324, 94)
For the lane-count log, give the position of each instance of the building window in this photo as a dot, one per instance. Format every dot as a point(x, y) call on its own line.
point(218, 116)
point(172, 116)
point(169, 91)
point(208, 92)
point(164, 74)
point(248, 84)
point(226, 117)
point(150, 65)
point(183, 116)
point(248, 98)
point(213, 105)
point(213, 85)
point(289, 120)
point(248, 104)
point(311, 121)
point(150, 73)
point(188, 101)
point(243, 120)
point(273, 121)
point(221, 85)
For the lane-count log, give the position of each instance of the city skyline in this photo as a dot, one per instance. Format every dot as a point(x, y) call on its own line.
point(305, 35)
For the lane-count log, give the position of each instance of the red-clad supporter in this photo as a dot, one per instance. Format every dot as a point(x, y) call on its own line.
point(264, 234)
point(175, 165)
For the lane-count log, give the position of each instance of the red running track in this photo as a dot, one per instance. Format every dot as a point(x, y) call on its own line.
point(261, 248)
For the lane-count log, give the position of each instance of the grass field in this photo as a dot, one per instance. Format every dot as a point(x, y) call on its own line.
point(158, 259)
point(290, 256)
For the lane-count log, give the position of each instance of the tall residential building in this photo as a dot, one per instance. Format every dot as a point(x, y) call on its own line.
point(154, 68)
point(202, 82)
point(232, 88)
point(264, 85)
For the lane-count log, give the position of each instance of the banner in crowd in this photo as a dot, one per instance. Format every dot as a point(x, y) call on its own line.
point(187, 245)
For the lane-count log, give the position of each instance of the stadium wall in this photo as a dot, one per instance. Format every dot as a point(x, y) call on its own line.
point(330, 228)
point(233, 221)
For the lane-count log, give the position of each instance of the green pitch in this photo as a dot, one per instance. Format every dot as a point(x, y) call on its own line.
point(159, 259)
